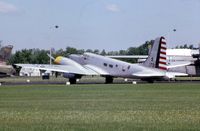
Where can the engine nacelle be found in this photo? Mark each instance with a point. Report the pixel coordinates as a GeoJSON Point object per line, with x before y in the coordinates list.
{"type": "Point", "coordinates": [69, 75]}
{"type": "Point", "coordinates": [72, 76]}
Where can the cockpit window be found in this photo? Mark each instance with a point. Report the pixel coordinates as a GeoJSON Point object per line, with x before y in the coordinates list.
{"type": "Point", "coordinates": [105, 64]}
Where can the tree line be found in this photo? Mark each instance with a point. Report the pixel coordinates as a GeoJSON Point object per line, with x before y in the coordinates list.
{"type": "Point", "coordinates": [39, 56]}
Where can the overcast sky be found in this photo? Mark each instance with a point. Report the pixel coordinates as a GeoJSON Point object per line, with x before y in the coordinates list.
{"type": "Point", "coordinates": [98, 24]}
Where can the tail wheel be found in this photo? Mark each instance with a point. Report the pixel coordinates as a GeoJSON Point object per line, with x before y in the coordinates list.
{"type": "Point", "coordinates": [109, 80]}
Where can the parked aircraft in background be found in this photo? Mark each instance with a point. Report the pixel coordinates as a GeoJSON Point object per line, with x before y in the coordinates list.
{"type": "Point", "coordinates": [76, 66]}
{"type": "Point", "coordinates": [5, 53]}
{"type": "Point", "coordinates": [194, 68]}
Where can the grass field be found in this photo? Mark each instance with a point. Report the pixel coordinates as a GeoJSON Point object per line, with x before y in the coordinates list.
{"type": "Point", "coordinates": [100, 107]}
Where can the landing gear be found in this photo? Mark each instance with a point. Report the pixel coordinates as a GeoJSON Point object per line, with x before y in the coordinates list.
{"type": "Point", "coordinates": [109, 80]}
{"type": "Point", "coordinates": [72, 77]}
{"type": "Point", "coordinates": [148, 80]}
{"type": "Point", "coordinates": [72, 80]}
{"type": "Point", "coordinates": [56, 74]}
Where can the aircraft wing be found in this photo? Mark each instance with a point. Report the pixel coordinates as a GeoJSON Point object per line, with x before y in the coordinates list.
{"type": "Point", "coordinates": [60, 68]}
{"type": "Point", "coordinates": [96, 69]}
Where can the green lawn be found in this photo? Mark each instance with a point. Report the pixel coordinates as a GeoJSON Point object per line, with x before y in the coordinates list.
{"type": "Point", "coordinates": [100, 107]}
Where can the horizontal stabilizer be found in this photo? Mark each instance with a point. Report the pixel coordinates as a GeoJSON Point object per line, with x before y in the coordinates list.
{"type": "Point", "coordinates": [178, 64]}
{"type": "Point", "coordinates": [149, 74]}
{"type": "Point", "coordinates": [174, 74]}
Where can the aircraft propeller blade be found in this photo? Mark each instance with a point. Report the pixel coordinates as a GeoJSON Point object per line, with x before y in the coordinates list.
{"type": "Point", "coordinates": [50, 56]}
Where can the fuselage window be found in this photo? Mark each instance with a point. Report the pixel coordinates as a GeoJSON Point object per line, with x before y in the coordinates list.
{"type": "Point", "coordinates": [123, 70]}
{"type": "Point", "coordinates": [111, 66]}
{"type": "Point", "coordinates": [116, 65]}
{"type": "Point", "coordinates": [105, 64]}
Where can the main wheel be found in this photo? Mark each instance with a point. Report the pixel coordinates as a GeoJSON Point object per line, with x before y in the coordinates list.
{"type": "Point", "coordinates": [72, 80]}
{"type": "Point", "coordinates": [148, 80]}
{"type": "Point", "coordinates": [109, 80]}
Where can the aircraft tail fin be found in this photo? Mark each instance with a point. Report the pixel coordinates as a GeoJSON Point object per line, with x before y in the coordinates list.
{"type": "Point", "coordinates": [5, 53]}
{"type": "Point", "coordinates": [157, 57]}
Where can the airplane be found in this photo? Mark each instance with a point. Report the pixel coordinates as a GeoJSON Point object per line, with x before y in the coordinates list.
{"type": "Point", "coordinates": [5, 53]}
{"type": "Point", "coordinates": [76, 66]}
{"type": "Point", "coordinates": [192, 69]}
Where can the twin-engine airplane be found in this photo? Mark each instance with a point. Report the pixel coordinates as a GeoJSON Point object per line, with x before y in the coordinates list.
{"type": "Point", "coordinates": [76, 66]}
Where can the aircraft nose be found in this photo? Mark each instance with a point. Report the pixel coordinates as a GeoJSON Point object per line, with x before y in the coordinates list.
{"type": "Point", "coordinates": [58, 60]}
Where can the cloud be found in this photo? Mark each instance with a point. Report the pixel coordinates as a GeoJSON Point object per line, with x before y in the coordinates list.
{"type": "Point", "coordinates": [7, 7]}
{"type": "Point", "coordinates": [113, 8]}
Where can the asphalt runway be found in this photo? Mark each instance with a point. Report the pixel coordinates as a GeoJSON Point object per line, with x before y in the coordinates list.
{"type": "Point", "coordinates": [61, 81]}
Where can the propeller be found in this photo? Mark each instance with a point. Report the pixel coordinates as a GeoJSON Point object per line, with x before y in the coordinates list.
{"type": "Point", "coordinates": [199, 49]}
{"type": "Point", "coordinates": [197, 56]}
{"type": "Point", "coordinates": [51, 57]}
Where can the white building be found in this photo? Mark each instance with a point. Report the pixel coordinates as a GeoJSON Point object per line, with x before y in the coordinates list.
{"type": "Point", "coordinates": [181, 54]}
{"type": "Point", "coordinates": [29, 72]}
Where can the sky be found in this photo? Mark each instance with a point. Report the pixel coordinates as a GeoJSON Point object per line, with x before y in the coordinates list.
{"type": "Point", "coordinates": [98, 24]}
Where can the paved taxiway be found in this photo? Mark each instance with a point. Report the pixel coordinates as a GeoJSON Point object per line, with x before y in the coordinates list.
{"type": "Point", "coordinates": [118, 81]}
